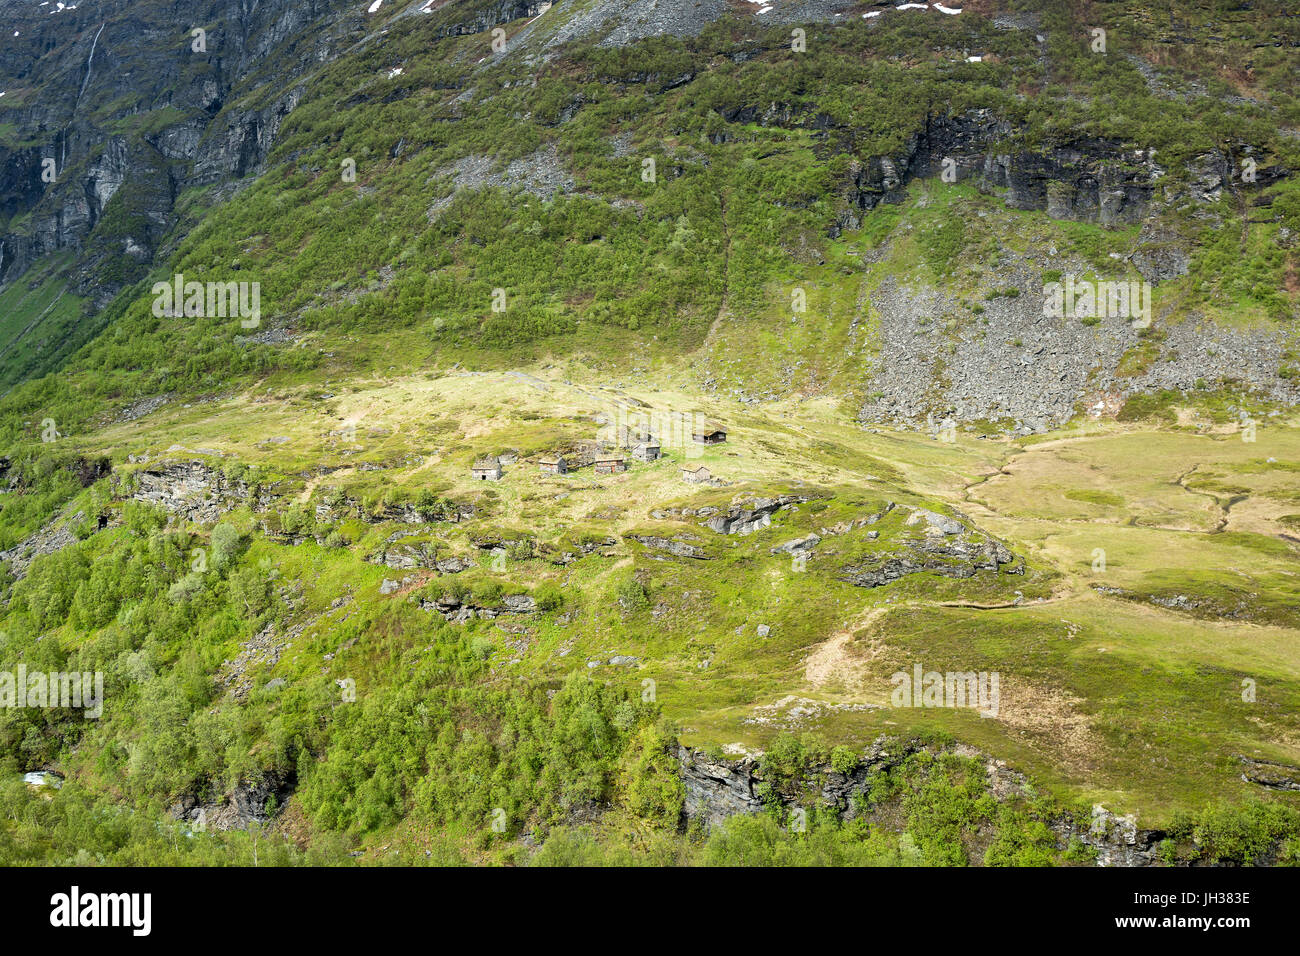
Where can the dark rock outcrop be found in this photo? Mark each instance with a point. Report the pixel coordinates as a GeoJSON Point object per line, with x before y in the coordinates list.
{"type": "Point", "coordinates": [195, 490]}
{"type": "Point", "coordinates": [1116, 840]}
{"type": "Point", "coordinates": [1088, 179]}
{"type": "Point", "coordinates": [717, 788]}
{"type": "Point", "coordinates": [1270, 774]}
{"type": "Point", "coordinates": [753, 515]}
{"type": "Point", "coordinates": [947, 547]}
{"type": "Point", "coordinates": [462, 610]}
{"type": "Point", "coordinates": [248, 803]}
{"type": "Point", "coordinates": [673, 546]}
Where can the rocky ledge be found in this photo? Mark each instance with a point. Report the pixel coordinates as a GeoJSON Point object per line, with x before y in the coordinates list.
{"type": "Point", "coordinates": [674, 546]}
{"type": "Point", "coordinates": [751, 515]}
{"type": "Point", "coordinates": [460, 611]}
{"type": "Point", "coordinates": [194, 490]}
{"type": "Point", "coordinates": [248, 803]}
{"type": "Point", "coordinates": [718, 788]}
{"type": "Point", "coordinates": [947, 547]}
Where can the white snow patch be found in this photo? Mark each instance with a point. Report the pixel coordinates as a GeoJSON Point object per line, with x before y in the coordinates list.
{"type": "Point", "coordinates": [395, 71]}
{"type": "Point", "coordinates": [912, 6]}
{"type": "Point", "coordinates": [870, 14]}
{"type": "Point", "coordinates": [974, 59]}
{"type": "Point", "coordinates": [951, 11]}
{"type": "Point", "coordinates": [375, 6]}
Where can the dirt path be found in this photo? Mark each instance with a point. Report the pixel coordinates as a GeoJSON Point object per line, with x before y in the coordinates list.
{"type": "Point", "coordinates": [726, 268]}
{"type": "Point", "coordinates": [312, 483]}
{"type": "Point", "coordinates": [832, 661]}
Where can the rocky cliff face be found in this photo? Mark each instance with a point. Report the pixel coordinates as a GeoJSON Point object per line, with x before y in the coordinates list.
{"type": "Point", "coordinates": [113, 109]}
{"type": "Point", "coordinates": [719, 788]}
{"type": "Point", "coordinates": [193, 490]}
{"type": "Point", "coordinates": [1088, 179]}
{"type": "Point", "coordinates": [249, 802]}
{"type": "Point", "coordinates": [1091, 180]}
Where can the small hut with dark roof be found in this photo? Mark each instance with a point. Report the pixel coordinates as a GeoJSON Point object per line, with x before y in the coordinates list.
{"type": "Point", "coordinates": [709, 432]}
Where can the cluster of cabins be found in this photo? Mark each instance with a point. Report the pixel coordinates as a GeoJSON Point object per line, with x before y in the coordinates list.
{"type": "Point", "coordinates": [604, 461]}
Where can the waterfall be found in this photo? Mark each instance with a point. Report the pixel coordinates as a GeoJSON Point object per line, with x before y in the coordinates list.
{"type": "Point", "coordinates": [90, 59]}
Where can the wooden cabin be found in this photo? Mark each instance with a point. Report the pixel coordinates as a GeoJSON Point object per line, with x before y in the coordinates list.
{"type": "Point", "coordinates": [709, 433]}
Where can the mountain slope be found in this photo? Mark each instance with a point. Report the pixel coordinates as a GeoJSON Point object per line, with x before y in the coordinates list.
{"type": "Point", "coordinates": [836, 229]}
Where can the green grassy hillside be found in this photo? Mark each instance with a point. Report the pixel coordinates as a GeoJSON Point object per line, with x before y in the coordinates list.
{"type": "Point", "coordinates": [301, 599]}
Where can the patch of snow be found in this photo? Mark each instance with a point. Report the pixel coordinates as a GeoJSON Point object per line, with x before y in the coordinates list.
{"type": "Point", "coordinates": [395, 71]}
{"type": "Point", "coordinates": [912, 6]}
{"type": "Point", "coordinates": [974, 59]}
{"type": "Point", "coordinates": [375, 6]}
{"type": "Point", "coordinates": [951, 11]}
{"type": "Point", "coordinates": [872, 13]}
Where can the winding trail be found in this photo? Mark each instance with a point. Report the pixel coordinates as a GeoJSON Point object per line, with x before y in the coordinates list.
{"type": "Point", "coordinates": [1015, 455]}
{"type": "Point", "coordinates": [1225, 509]}
{"type": "Point", "coordinates": [726, 266]}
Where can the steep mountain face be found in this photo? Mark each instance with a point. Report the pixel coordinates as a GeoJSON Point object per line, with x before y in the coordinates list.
{"type": "Point", "coordinates": [387, 553]}
{"type": "Point", "coordinates": [123, 99]}
{"type": "Point", "coordinates": [149, 129]}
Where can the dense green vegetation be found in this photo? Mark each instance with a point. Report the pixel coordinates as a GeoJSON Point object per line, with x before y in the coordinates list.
{"type": "Point", "coordinates": [276, 647]}
{"type": "Point", "coordinates": [41, 324]}
{"type": "Point", "coordinates": [734, 205]}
